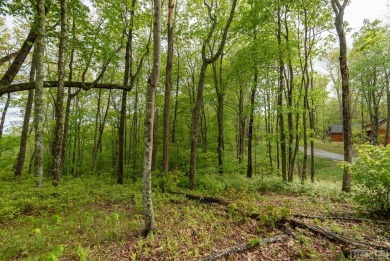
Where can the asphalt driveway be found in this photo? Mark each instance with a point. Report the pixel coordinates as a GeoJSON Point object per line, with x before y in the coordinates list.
{"type": "Point", "coordinates": [326, 154]}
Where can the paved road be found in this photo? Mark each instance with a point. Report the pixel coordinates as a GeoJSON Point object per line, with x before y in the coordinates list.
{"type": "Point", "coordinates": [326, 154]}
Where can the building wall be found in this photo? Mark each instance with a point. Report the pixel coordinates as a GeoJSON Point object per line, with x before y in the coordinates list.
{"type": "Point", "coordinates": [337, 137]}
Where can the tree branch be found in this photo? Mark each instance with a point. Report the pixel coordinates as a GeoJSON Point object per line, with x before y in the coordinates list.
{"type": "Point", "coordinates": [52, 84]}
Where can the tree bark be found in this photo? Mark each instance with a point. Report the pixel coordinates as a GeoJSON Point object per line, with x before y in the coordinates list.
{"type": "Point", "coordinates": [168, 86]}
{"type": "Point", "coordinates": [155, 131]}
{"type": "Point", "coordinates": [38, 115]}
{"type": "Point", "coordinates": [26, 121]}
{"type": "Point", "coordinates": [388, 107]}
{"type": "Point", "coordinates": [245, 246]}
{"type": "Point", "coordinates": [338, 9]}
{"type": "Point", "coordinates": [219, 90]}
{"type": "Point", "coordinates": [282, 138]}
{"type": "Point", "coordinates": [249, 170]}
{"type": "Point", "coordinates": [20, 57]}
{"type": "Point", "coordinates": [59, 105]}
{"type": "Point", "coordinates": [8, 57]}
{"type": "Point", "coordinates": [241, 126]}
{"type": "Point", "coordinates": [174, 123]}
{"type": "Point", "coordinates": [4, 114]}
{"type": "Point", "coordinates": [86, 86]}
{"type": "Point", "coordinates": [69, 97]}
{"type": "Point", "coordinates": [148, 126]}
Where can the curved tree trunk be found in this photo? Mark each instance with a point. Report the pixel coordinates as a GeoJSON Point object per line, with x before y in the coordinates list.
{"type": "Point", "coordinates": [338, 9]}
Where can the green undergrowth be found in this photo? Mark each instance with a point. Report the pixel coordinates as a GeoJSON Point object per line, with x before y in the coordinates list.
{"type": "Point", "coordinates": [91, 217]}
{"type": "Point", "coordinates": [44, 223]}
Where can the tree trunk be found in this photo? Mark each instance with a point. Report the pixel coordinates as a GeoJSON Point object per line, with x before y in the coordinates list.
{"type": "Point", "coordinates": [149, 118]}
{"type": "Point", "coordinates": [219, 90]}
{"type": "Point", "coordinates": [3, 115]}
{"type": "Point", "coordinates": [26, 122]}
{"type": "Point", "coordinates": [282, 138]}
{"type": "Point", "coordinates": [168, 86]}
{"type": "Point", "coordinates": [68, 98]}
{"type": "Point", "coordinates": [312, 122]}
{"type": "Point", "coordinates": [249, 170]}
{"type": "Point", "coordinates": [174, 123]}
{"type": "Point", "coordinates": [24, 50]}
{"type": "Point", "coordinates": [121, 133]}
{"type": "Point", "coordinates": [388, 107]}
{"type": "Point", "coordinates": [38, 115]}
{"type": "Point", "coordinates": [338, 9]}
{"type": "Point", "coordinates": [95, 135]}
{"type": "Point", "coordinates": [241, 125]}
{"type": "Point", "coordinates": [59, 105]}
{"type": "Point", "coordinates": [305, 80]}
{"type": "Point", "coordinates": [155, 131]}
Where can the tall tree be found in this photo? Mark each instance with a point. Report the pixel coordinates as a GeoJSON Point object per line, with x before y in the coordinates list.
{"type": "Point", "coordinates": [149, 119]}
{"type": "Point", "coordinates": [38, 106]}
{"type": "Point", "coordinates": [199, 98]}
{"type": "Point", "coordinates": [59, 104]}
{"type": "Point", "coordinates": [168, 86]}
{"type": "Point", "coordinates": [339, 8]}
{"type": "Point", "coordinates": [26, 121]}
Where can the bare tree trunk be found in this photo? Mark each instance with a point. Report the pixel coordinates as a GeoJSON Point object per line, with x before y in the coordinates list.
{"type": "Point", "coordinates": [241, 125]}
{"type": "Point", "coordinates": [121, 134]}
{"type": "Point", "coordinates": [95, 135]}
{"type": "Point", "coordinates": [168, 86]}
{"type": "Point", "coordinates": [3, 115]}
{"type": "Point", "coordinates": [149, 118]}
{"type": "Point", "coordinates": [24, 50]}
{"type": "Point", "coordinates": [290, 90]}
{"type": "Point", "coordinates": [135, 130]}
{"type": "Point", "coordinates": [38, 115]}
{"type": "Point", "coordinates": [174, 123]}
{"type": "Point", "coordinates": [282, 138]}
{"type": "Point", "coordinates": [155, 131]}
{"type": "Point", "coordinates": [219, 90]}
{"type": "Point", "coordinates": [69, 97]}
{"type": "Point", "coordinates": [305, 79]}
{"type": "Point", "coordinates": [59, 106]}
{"type": "Point", "coordinates": [338, 9]}
{"type": "Point", "coordinates": [388, 107]}
{"type": "Point", "coordinates": [312, 122]}
{"type": "Point", "coordinates": [26, 122]}
{"type": "Point", "coordinates": [249, 170]}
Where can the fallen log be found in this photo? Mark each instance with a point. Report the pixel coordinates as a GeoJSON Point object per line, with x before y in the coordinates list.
{"type": "Point", "coordinates": [204, 199]}
{"type": "Point", "coordinates": [245, 246]}
{"type": "Point", "coordinates": [335, 237]}
{"type": "Point", "coordinates": [354, 219]}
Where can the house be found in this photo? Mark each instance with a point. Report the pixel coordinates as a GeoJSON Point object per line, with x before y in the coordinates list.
{"type": "Point", "coordinates": [336, 131]}
{"type": "Point", "coordinates": [381, 130]}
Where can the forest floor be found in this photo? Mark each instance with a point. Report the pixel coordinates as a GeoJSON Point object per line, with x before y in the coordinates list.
{"type": "Point", "coordinates": [91, 218]}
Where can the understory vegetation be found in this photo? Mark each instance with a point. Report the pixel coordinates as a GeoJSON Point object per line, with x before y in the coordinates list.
{"type": "Point", "coordinates": [93, 218]}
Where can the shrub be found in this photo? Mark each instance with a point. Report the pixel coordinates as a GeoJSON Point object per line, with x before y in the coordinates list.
{"type": "Point", "coordinates": [371, 173]}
